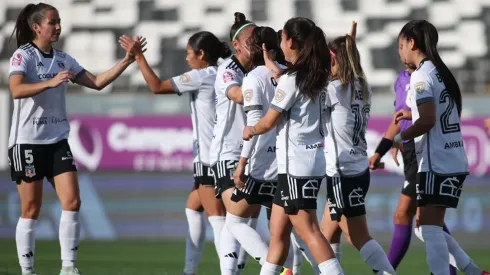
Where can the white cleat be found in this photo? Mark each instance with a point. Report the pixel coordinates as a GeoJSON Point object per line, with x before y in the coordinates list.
{"type": "Point", "coordinates": [70, 271]}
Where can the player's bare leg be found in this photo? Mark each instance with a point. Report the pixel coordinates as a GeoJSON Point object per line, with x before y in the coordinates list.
{"type": "Point", "coordinates": [66, 186]}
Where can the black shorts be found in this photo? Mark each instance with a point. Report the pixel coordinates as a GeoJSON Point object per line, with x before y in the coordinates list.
{"type": "Point", "coordinates": [223, 176]}
{"type": "Point", "coordinates": [439, 190]}
{"type": "Point", "coordinates": [295, 194]}
{"type": "Point", "coordinates": [410, 169]}
{"type": "Point", "coordinates": [255, 192]}
{"type": "Point", "coordinates": [346, 195]}
{"type": "Point", "coordinates": [33, 162]}
{"type": "Point", "coordinates": [203, 175]}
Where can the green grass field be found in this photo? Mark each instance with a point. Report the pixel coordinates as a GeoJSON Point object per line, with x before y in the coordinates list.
{"type": "Point", "coordinates": [166, 258]}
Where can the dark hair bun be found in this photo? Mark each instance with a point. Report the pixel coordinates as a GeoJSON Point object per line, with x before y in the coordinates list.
{"type": "Point", "coordinates": [225, 50]}
{"type": "Point", "coordinates": [239, 17]}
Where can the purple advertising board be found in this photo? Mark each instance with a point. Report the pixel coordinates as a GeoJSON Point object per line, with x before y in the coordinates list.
{"type": "Point", "coordinates": [150, 143]}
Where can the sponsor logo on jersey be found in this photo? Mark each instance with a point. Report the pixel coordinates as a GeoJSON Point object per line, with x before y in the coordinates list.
{"type": "Point", "coordinates": [47, 76]}
{"type": "Point", "coordinates": [227, 77]}
{"type": "Point", "coordinates": [40, 64]}
{"type": "Point", "coordinates": [453, 144]}
{"type": "Point", "coordinates": [314, 146]}
{"type": "Point", "coordinates": [247, 95]}
{"type": "Point", "coordinates": [185, 78]}
{"type": "Point", "coordinates": [17, 60]}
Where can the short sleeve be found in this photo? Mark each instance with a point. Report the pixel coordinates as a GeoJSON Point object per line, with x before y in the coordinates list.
{"type": "Point", "coordinates": [73, 66]}
{"type": "Point", "coordinates": [186, 82]}
{"type": "Point", "coordinates": [286, 94]}
{"type": "Point", "coordinates": [19, 63]}
{"type": "Point", "coordinates": [229, 79]}
{"type": "Point", "coordinates": [423, 90]}
{"type": "Point", "coordinates": [251, 89]}
{"type": "Point", "coordinates": [331, 98]}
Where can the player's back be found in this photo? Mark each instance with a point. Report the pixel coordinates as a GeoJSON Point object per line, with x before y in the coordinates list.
{"type": "Point", "coordinates": [444, 141]}
{"type": "Point", "coordinates": [348, 112]}
{"type": "Point", "coordinates": [230, 117]}
{"type": "Point", "coordinates": [259, 88]}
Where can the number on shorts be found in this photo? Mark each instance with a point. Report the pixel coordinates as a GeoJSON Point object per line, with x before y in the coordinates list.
{"type": "Point", "coordinates": [360, 124]}
{"type": "Point", "coordinates": [446, 126]}
{"type": "Point", "coordinates": [29, 158]}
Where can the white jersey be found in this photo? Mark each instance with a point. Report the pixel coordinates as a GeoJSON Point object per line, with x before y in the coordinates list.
{"type": "Point", "coordinates": [444, 141]}
{"type": "Point", "coordinates": [258, 91]}
{"type": "Point", "coordinates": [200, 86]}
{"type": "Point", "coordinates": [40, 119]}
{"type": "Point", "coordinates": [230, 118]}
{"type": "Point", "coordinates": [346, 122]}
{"type": "Point", "coordinates": [299, 145]}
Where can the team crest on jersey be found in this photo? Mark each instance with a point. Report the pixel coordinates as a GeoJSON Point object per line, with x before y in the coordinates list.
{"type": "Point", "coordinates": [419, 86]}
{"type": "Point", "coordinates": [247, 95]}
{"type": "Point", "coordinates": [185, 78]}
{"type": "Point", "coordinates": [30, 171]}
{"type": "Point", "coordinates": [280, 95]}
{"type": "Point", "coordinates": [17, 60]}
{"type": "Point", "coordinates": [227, 77]}
{"type": "Point", "coordinates": [61, 64]}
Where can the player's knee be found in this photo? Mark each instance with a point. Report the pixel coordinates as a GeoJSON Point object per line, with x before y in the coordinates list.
{"type": "Point", "coordinates": [402, 217]}
{"type": "Point", "coordinates": [31, 209]}
{"type": "Point", "coordinates": [72, 204]}
{"type": "Point", "coordinates": [358, 240]}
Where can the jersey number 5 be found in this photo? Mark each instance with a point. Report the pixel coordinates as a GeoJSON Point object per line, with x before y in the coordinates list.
{"type": "Point", "coordinates": [446, 126]}
{"type": "Point", "coordinates": [360, 124]}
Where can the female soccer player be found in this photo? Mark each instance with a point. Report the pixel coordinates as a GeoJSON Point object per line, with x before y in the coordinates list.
{"type": "Point", "coordinates": [297, 109]}
{"type": "Point", "coordinates": [406, 208]}
{"type": "Point", "coordinates": [435, 102]}
{"type": "Point", "coordinates": [230, 119]}
{"type": "Point", "coordinates": [38, 146]}
{"type": "Point", "coordinates": [348, 104]}
{"type": "Point", "coordinates": [203, 51]}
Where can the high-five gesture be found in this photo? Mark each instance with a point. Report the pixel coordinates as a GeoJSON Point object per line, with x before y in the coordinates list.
{"type": "Point", "coordinates": [133, 48]}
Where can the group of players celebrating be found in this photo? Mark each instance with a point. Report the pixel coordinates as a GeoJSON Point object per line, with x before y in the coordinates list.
{"type": "Point", "coordinates": [269, 123]}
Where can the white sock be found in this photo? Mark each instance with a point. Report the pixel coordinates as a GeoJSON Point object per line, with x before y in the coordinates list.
{"type": "Point", "coordinates": [337, 250]}
{"type": "Point", "coordinates": [217, 223]}
{"type": "Point", "coordinates": [298, 257]}
{"type": "Point", "coordinates": [69, 235]}
{"type": "Point", "coordinates": [306, 252]}
{"type": "Point", "coordinates": [331, 267]}
{"type": "Point", "coordinates": [270, 269]}
{"type": "Point", "coordinates": [247, 236]}
{"type": "Point", "coordinates": [25, 237]}
{"type": "Point", "coordinates": [195, 240]}
{"type": "Point", "coordinates": [243, 255]}
{"type": "Point", "coordinates": [373, 254]}
{"type": "Point", "coordinates": [229, 249]}
{"type": "Point", "coordinates": [461, 260]}
{"type": "Point", "coordinates": [436, 248]}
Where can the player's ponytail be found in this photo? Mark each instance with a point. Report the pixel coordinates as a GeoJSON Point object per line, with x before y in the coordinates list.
{"type": "Point", "coordinates": [29, 15]}
{"type": "Point", "coordinates": [425, 37]}
{"type": "Point", "coordinates": [210, 45]}
{"type": "Point", "coordinates": [312, 66]}
{"type": "Point", "coordinates": [240, 23]}
{"type": "Point", "coordinates": [347, 55]}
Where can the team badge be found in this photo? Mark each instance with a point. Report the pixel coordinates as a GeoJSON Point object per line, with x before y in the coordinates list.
{"type": "Point", "coordinates": [227, 77]}
{"type": "Point", "coordinates": [17, 60]}
{"type": "Point", "coordinates": [247, 95]}
{"type": "Point", "coordinates": [185, 78]}
{"type": "Point", "coordinates": [419, 86]}
{"type": "Point", "coordinates": [30, 171]}
{"type": "Point", "coordinates": [280, 94]}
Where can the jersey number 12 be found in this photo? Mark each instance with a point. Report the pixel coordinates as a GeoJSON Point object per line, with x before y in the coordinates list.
{"type": "Point", "coordinates": [361, 118]}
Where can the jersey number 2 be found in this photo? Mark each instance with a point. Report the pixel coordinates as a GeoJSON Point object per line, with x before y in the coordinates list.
{"type": "Point", "coordinates": [446, 126]}
{"type": "Point", "coordinates": [360, 124]}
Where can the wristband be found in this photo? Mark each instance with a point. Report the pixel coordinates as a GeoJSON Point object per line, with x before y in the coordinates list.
{"type": "Point", "coordinates": [384, 146]}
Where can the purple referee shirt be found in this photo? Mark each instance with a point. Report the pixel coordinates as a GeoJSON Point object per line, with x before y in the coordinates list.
{"type": "Point", "coordinates": [402, 85]}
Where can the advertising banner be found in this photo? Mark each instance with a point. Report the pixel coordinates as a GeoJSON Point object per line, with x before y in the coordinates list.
{"type": "Point", "coordinates": [166, 144]}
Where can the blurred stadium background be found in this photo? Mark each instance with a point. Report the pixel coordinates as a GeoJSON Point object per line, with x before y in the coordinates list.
{"type": "Point", "coordinates": [134, 150]}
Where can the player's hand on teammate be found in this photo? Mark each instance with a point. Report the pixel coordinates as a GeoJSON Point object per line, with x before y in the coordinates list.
{"type": "Point", "coordinates": [239, 176]}
{"type": "Point", "coordinates": [134, 48]}
{"type": "Point", "coordinates": [374, 161]}
{"type": "Point", "coordinates": [61, 77]}
{"type": "Point", "coordinates": [248, 132]}
{"type": "Point", "coordinates": [269, 57]}
{"type": "Point", "coordinates": [487, 125]}
{"type": "Point", "coordinates": [402, 115]}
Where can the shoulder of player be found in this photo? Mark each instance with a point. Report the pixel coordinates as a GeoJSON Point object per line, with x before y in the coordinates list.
{"type": "Point", "coordinates": [334, 86]}
{"type": "Point", "coordinates": [62, 54]}
{"type": "Point", "coordinates": [26, 50]}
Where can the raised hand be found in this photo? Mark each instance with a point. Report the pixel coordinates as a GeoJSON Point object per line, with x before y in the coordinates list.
{"type": "Point", "coordinates": [402, 115]}
{"type": "Point", "coordinates": [353, 30]}
{"type": "Point", "coordinates": [61, 77]}
{"type": "Point", "coordinates": [133, 48]}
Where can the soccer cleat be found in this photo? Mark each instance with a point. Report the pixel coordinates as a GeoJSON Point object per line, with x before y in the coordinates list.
{"type": "Point", "coordinates": [70, 271]}
{"type": "Point", "coordinates": [286, 271]}
{"type": "Point", "coordinates": [485, 272]}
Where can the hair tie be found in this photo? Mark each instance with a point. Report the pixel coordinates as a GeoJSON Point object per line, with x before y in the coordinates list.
{"type": "Point", "coordinates": [332, 53]}
{"type": "Point", "coordinates": [240, 29]}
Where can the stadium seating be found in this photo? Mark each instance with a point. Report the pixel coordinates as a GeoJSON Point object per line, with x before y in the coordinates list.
{"type": "Point", "coordinates": [91, 29]}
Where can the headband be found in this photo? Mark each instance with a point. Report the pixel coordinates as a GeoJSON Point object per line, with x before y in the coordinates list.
{"type": "Point", "coordinates": [240, 29]}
